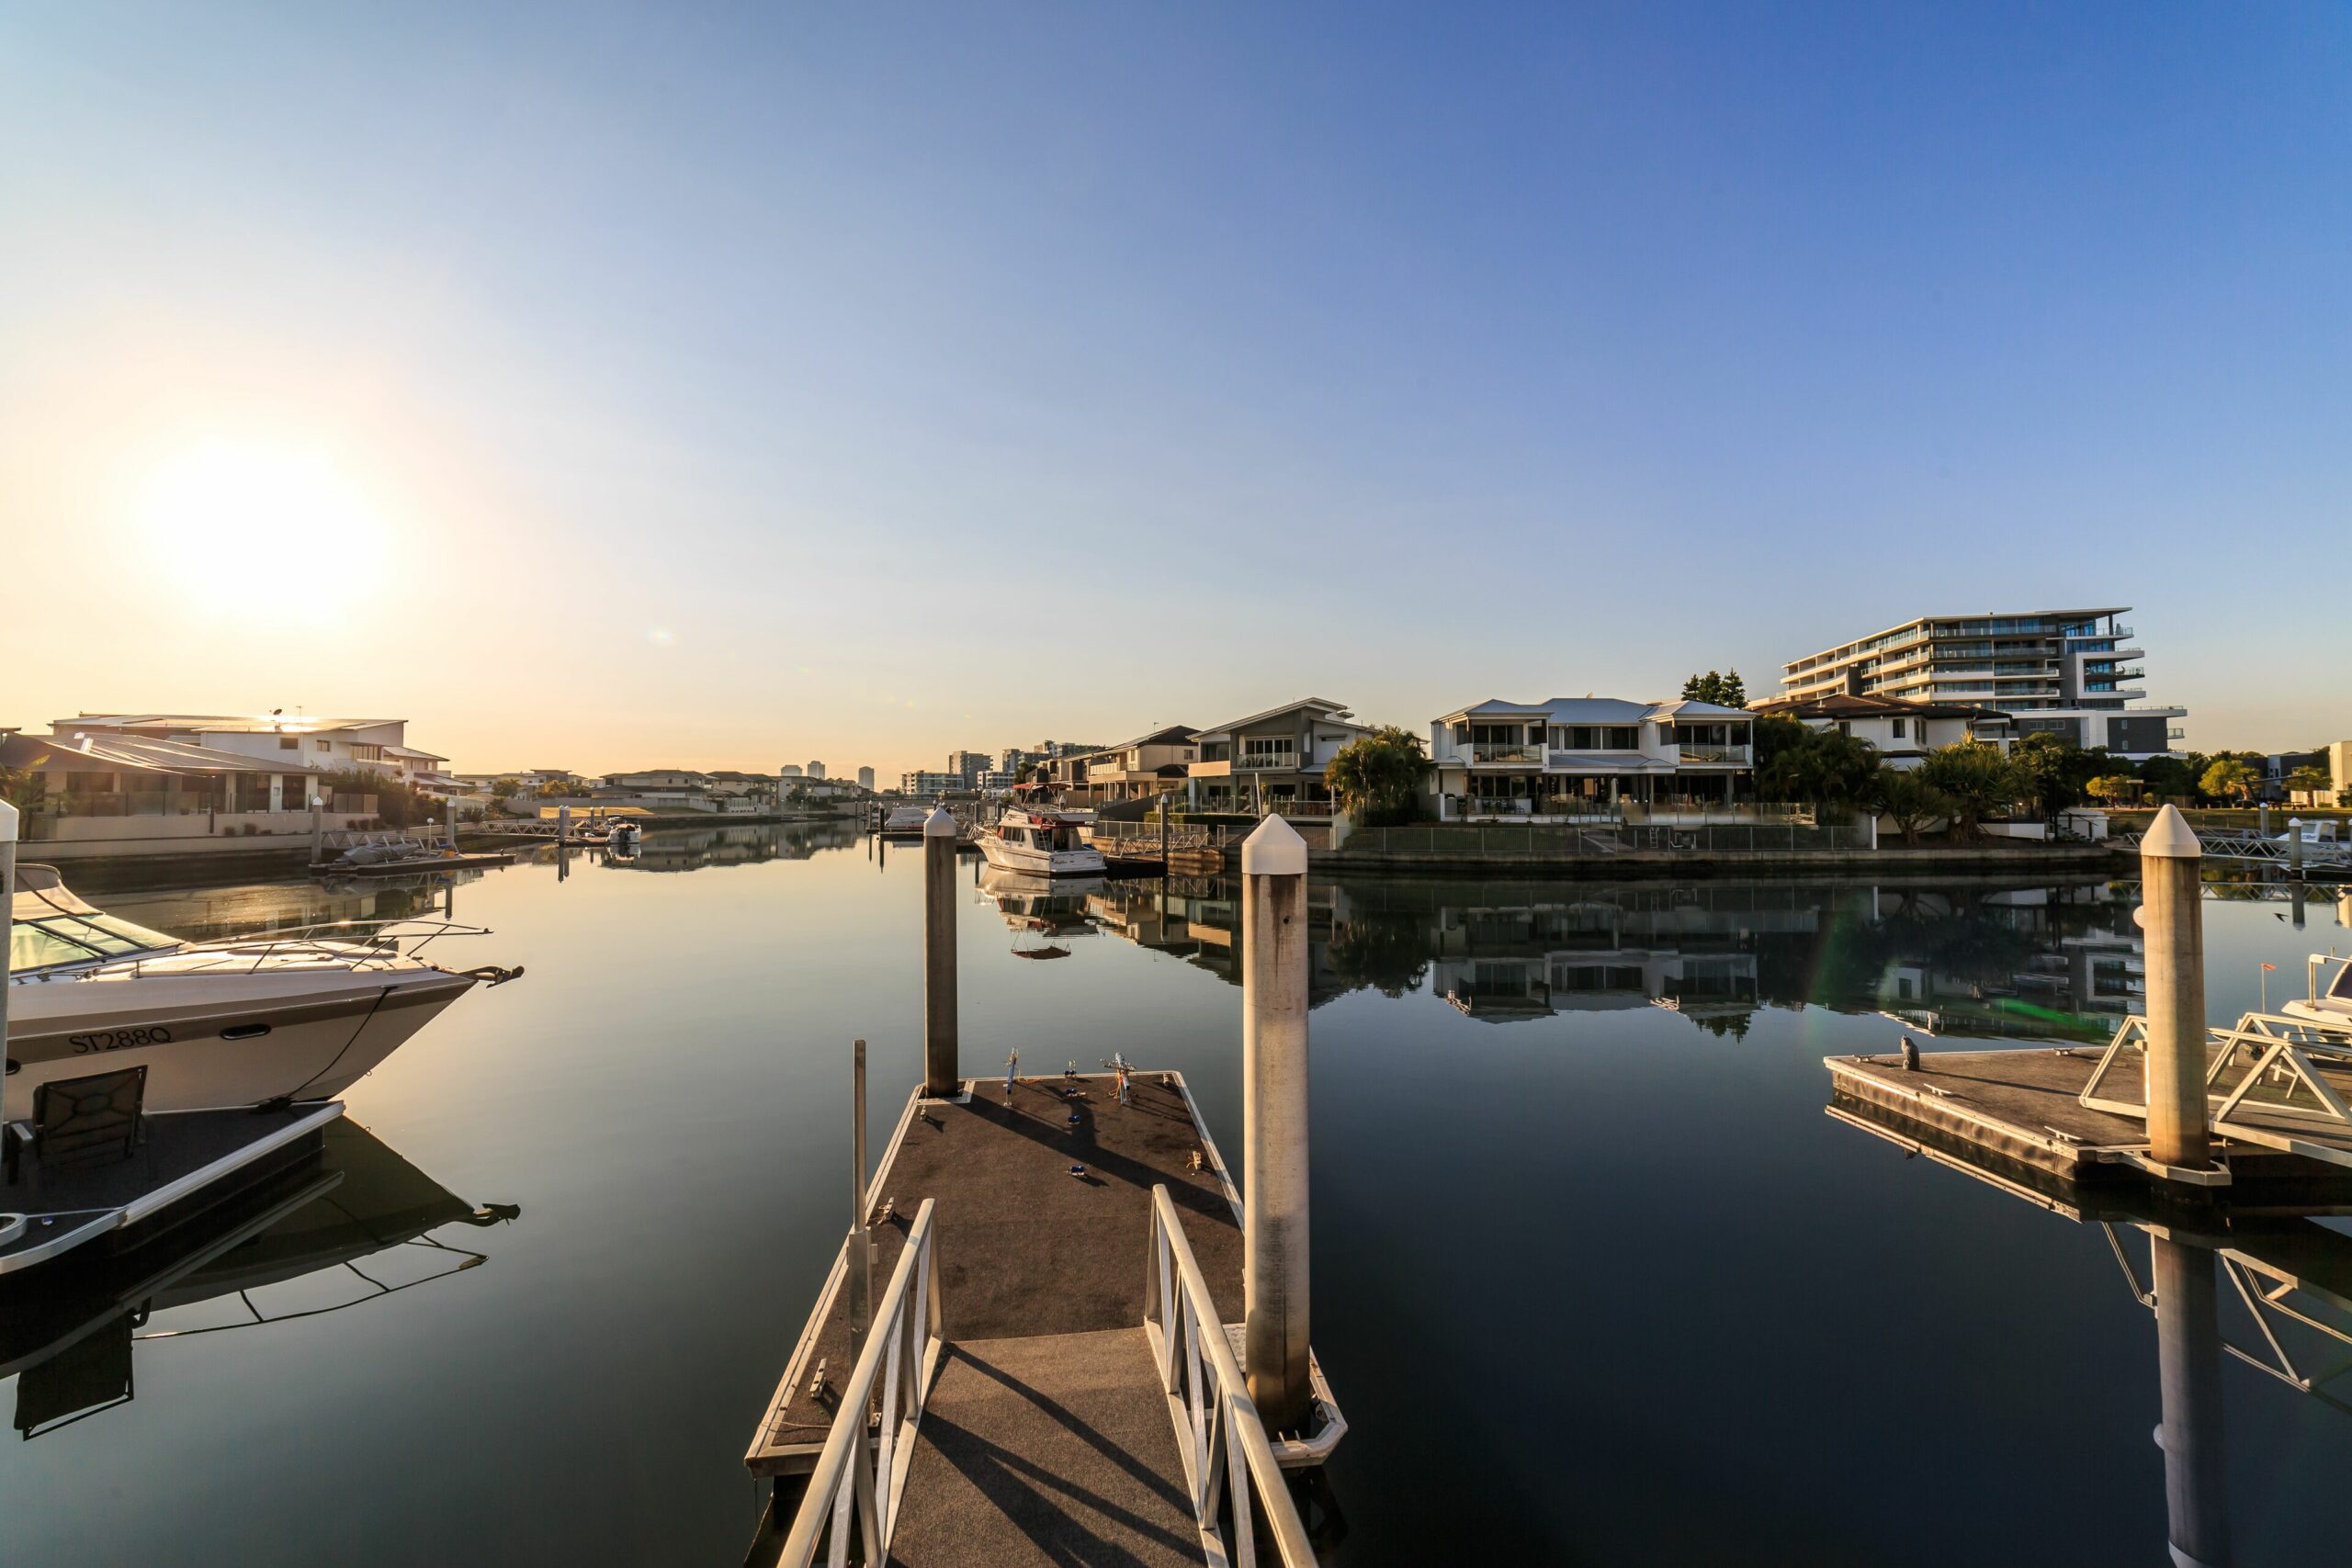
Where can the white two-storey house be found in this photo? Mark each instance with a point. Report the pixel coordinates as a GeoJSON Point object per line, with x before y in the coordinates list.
{"type": "Point", "coordinates": [1582, 756]}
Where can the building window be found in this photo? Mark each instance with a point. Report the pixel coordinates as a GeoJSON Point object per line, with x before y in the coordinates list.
{"type": "Point", "coordinates": [289, 743]}
{"type": "Point", "coordinates": [324, 745]}
{"type": "Point", "coordinates": [1898, 728]}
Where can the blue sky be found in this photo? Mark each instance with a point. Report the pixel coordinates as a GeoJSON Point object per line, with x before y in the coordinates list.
{"type": "Point", "coordinates": [858, 382]}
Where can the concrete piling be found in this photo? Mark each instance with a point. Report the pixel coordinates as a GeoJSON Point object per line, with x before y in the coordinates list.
{"type": "Point", "coordinates": [318, 830]}
{"type": "Point", "coordinates": [2172, 917]}
{"type": "Point", "coordinates": [939, 1029]}
{"type": "Point", "coordinates": [1274, 1123]}
{"type": "Point", "coordinates": [2295, 846]}
{"type": "Point", "coordinates": [7, 901]}
{"type": "Point", "coordinates": [563, 824]}
{"type": "Point", "coordinates": [453, 824]}
{"type": "Point", "coordinates": [2188, 1374]}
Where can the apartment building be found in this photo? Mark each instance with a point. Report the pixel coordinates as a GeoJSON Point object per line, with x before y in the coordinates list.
{"type": "Point", "coordinates": [2074, 674]}
{"type": "Point", "coordinates": [1571, 756]}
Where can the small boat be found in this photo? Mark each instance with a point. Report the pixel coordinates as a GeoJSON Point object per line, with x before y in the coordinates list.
{"type": "Point", "coordinates": [627, 836]}
{"type": "Point", "coordinates": [905, 822]}
{"type": "Point", "coordinates": [298, 1014]}
{"type": "Point", "coordinates": [1046, 843]}
{"type": "Point", "coordinates": [2332, 1006]}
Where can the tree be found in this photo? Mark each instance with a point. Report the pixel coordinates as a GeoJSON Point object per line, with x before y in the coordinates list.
{"type": "Point", "coordinates": [2168, 778]}
{"type": "Point", "coordinates": [2229, 777]}
{"type": "Point", "coordinates": [555, 786]}
{"type": "Point", "coordinates": [24, 788]}
{"type": "Point", "coordinates": [2108, 789]}
{"type": "Point", "coordinates": [1977, 780]}
{"type": "Point", "coordinates": [2308, 780]}
{"type": "Point", "coordinates": [505, 789]}
{"type": "Point", "coordinates": [1378, 777]}
{"type": "Point", "coordinates": [1725, 691]}
{"type": "Point", "coordinates": [1823, 767]}
{"type": "Point", "coordinates": [1911, 800]}
{"type": "Point", "coordinates": [2055, 771]}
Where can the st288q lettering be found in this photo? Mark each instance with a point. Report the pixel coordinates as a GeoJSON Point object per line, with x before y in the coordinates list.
{"type": "Point", "coordinates": [118, 1040]}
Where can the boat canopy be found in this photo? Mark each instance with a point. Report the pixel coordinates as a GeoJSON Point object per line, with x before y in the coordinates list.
{"type": "Point", "coordinates": [48, 928]}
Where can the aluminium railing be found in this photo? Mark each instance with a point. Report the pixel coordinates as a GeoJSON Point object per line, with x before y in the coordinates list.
{"type": "Point", "coordinates": [855, 1479]}
{"type": "Point", "coordinates": [1229, 1465]}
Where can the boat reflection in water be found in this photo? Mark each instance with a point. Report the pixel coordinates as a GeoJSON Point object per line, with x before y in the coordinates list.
{"type": "Point", "coordinates": [69, 1337]}
{"type": "Point", "coordinates": [695, 849]}
{"type": "Point", "coordinates": [1041, 910]}
{"type": "Point", "coordinates": [2054, 961]}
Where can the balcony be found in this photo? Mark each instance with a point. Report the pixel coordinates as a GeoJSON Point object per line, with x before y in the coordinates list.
{"type": "Point", "coordinates": [1524, 756]}
{"type": "Point", "coordinates": [1715, 756]}
{"type": "Point", "coordinates": [1268, 761]}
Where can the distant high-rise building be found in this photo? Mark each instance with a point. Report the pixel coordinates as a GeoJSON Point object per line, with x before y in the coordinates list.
{"type": "Point", "coordinates": [968, 766]}
{"type": "Point", "coordinates": [866, 778]}
{"type": "Point", "coordinates": [2074, 674]}
{"type": "Point", "coordinates": [815, 770]}
{"type": "Point", "coordinates": [789, 771]}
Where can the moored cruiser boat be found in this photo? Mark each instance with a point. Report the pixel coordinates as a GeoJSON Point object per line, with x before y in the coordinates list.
{"type": "Point", "coordinates": [2332, 1006]}
{"type": "Point", "coordinates": [904, 822]}
{"type": "Point", "coordinates": [1025, 839]}
{"type": "Point", "coordinates": [219, 1025]}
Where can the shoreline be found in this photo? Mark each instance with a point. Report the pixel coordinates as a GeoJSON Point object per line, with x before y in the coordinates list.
{"type": "Point", "coordinates": [1668, 863]}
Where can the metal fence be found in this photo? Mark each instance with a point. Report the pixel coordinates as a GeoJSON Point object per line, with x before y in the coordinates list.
{"type": "Point", "coordinates": [1574, 842]}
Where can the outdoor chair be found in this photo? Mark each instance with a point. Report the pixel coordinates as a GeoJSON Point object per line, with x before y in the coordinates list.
{"type": "Point", "coordinates": [87, 1121]}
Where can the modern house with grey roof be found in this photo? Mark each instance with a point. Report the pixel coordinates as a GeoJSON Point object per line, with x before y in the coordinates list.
{"type": "Point", "coordinates": [1574, 756]}
{"type": "Point", "coordinates": [1272, 761]}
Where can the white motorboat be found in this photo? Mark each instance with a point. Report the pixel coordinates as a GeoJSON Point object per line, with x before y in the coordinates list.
{"type": "Point", "coordinates": [1046, 843]}
{"type": "Point", "coordinates": [627, 836]}
{"type": "Point", "coordinates": [293, 1015]}
{"type": "Point", "coordinates": [905, 822]}
{"type": "Point", "coordinates": [2332, 1006]}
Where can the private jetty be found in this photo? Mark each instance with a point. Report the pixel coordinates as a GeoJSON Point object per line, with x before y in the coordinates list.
{"type": "Point", "coordinates": [1090, 1343]}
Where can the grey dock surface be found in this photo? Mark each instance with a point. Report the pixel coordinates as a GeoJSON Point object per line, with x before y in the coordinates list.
{"type": "Point", "coordinates": [2023, 1105]}
{"type": "Point", "coordinates": [1028, 1252]}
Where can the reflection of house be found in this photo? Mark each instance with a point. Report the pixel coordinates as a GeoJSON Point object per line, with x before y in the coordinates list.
{"type": "Point", "coordinates": [1574, 755]}
{"type": "Point", "coordinates": [1902, 732]}
{"type": "Point", "coordinates": [1270, 761]}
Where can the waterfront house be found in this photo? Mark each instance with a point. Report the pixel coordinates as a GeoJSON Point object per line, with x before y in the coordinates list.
{"type": "Point", "coordinates": [300, 744]}
{"type": "Point", "coordinates": [1575, 756]}
{"type": "Point", "coordinates": [1901, 731]}
{"type": "Point", "coordinates": [1134, 770]}
{"type": "Point", "coordinates": [1270, 761]}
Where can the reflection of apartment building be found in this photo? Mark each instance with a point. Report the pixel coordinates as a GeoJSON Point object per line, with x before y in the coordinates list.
{"type": "Point", "coordinates": [1576, 755]}
{"type": "Point", "coordinates": [2074, 674]}
{"type": "Point", "coordinates": [1270, 761]}
{"type": "Point", "coordinates": [1900, 730]}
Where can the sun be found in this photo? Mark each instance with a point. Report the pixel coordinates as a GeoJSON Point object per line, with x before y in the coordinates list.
{"type": "Point", "coordinates": [252, 529]}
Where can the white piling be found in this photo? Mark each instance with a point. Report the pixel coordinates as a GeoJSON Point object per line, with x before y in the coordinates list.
{"type": "Point", "coordinates": [2189, 1378]}
{"type": "Point", "coordinates": [563, 824]}
{"type": "Point", "coordinates": [2294, 846]}
{"type": "Point", "coordinates": [939, 1033]}
{"type": "Point", "coordinates": [2172, 917]}
{"type": "Point", "coordinates": [861, 1243]}
{"type": "Point", "coordinates": [318, 830]}
{"type": "Point", "coordinates": [1274, 1123]}
{"type": "Point", "coordinates": [453, 822]}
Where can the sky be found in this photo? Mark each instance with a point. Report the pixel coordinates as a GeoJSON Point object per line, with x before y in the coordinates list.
{"type": "Point", "coordinates": [609, 387]}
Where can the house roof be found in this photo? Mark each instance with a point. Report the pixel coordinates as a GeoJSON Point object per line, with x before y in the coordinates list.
{"type": "Point", "coordinates": [1594, 710]}
{"type": "Point", "coordinates": [1842, 707]}
{"type": "Point", "coordinates": [217, 724]}
{"type": "Point", "coordinates": [1324, 708]}
{"type": "Point", "coordinates": [116, 753]}
{"type": "Point", "coordinates": [1170, 735]}
{"type": "Point", "coordinates": [413, 752]}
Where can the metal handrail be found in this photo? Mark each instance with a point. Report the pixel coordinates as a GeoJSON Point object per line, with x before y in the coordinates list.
{"type": "Point", "coordinates": [1219, 1435]}
{"type": "Point", "coordinates": [850, 1473]}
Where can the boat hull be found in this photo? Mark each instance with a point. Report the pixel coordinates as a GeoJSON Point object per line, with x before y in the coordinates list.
{"type": "Point", "coordinates": [1084, 862]}
{"type": "Point", "coordinates": [212, 1042]}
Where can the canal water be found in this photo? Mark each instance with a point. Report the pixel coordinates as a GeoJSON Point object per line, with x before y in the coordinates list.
{"type": "Point", "coordinates": [1596, 1279]}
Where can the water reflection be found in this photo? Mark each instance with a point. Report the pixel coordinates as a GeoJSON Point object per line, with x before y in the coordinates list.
{"type": "Point", "coordinates": [292, 1247]}
{"type": "Point", "coordinates": [2060, 962]}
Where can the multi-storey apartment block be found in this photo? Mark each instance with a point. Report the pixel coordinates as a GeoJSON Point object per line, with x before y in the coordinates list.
{"type": "Point", "coordinates": [2075, 673]}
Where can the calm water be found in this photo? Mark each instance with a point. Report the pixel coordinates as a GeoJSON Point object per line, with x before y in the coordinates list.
{"type": "Point", "coordinates": [1596, 1279]}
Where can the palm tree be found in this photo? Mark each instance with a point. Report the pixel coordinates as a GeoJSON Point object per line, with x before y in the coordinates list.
{"type": "Point", "coordinates": [1379, 775]}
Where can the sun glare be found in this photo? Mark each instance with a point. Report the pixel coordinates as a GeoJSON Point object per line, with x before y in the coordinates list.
{"type": "Point", "coordinates": [257, 530]}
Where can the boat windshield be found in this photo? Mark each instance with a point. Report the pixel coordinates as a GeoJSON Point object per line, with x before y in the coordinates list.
{"type": "Point", "coordinates": [52, 940]}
